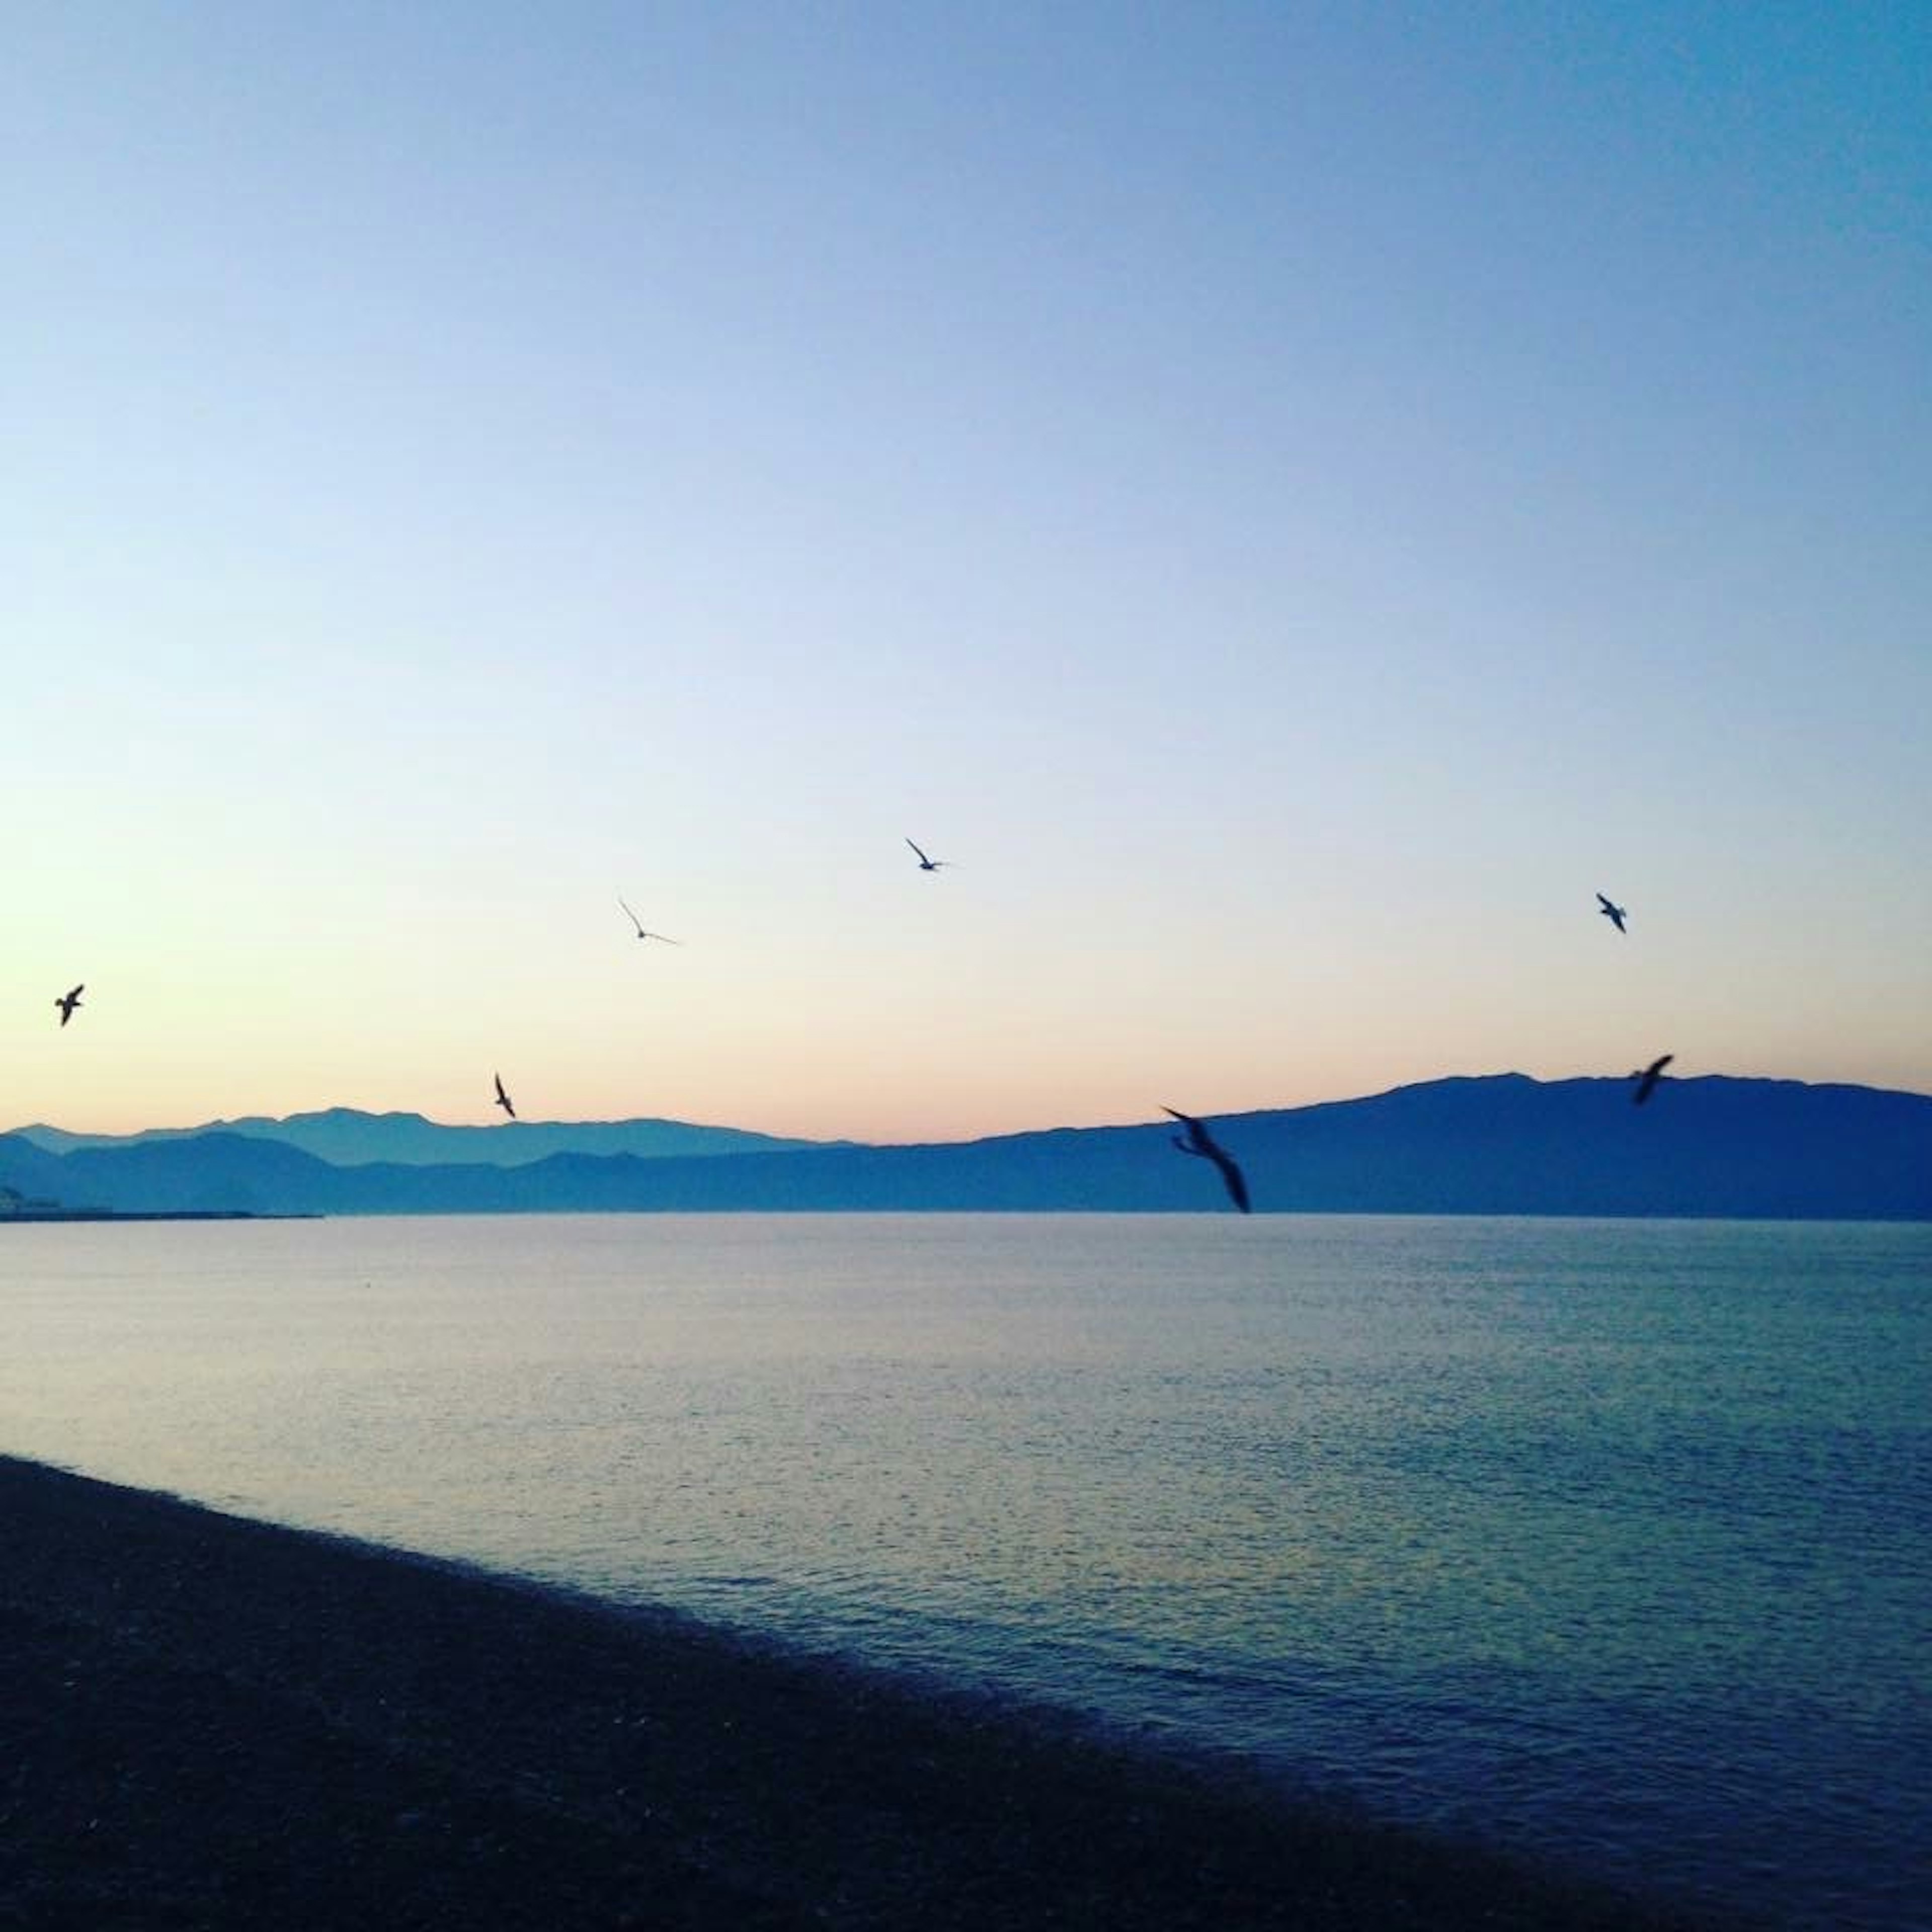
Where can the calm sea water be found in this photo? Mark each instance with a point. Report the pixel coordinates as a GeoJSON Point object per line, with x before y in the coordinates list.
{"type": "Point", "coordinates": [1612, 1540]}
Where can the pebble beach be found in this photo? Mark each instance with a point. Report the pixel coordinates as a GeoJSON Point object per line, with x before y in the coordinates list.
{"type": "Point", "coordinates": [209, 1721]}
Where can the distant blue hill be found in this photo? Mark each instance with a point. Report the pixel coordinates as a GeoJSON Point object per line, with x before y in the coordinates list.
{"type": "Point", "coordinates": [1502, 1144]}
{"type": "Point", "coordinates": [29, 1174]}
{"type": "Point", "coordinates": [347, 1138]}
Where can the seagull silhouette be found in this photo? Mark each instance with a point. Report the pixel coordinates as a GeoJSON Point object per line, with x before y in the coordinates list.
{"type": "Point", "coordinates": [639, 924]}
{"type": "Point", "coordinates": [1615, 914]}
{"type": "Point", "coordinates": [926, 864]}
{"type": "Point", "coordinates": [1647, 1078]}
{"type": "Point", "coordinates": [68, 1002]}
{"type": "Point", "coordinates": [1199, 1141]}
{"type": "Point", "coordinates": [502, 1098]}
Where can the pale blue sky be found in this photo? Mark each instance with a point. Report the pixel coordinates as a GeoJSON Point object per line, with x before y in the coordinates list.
{"type": "Point", "coordinates": [1293, 499]}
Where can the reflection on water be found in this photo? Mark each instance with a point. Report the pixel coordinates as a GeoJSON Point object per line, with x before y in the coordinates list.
{"type": "Point", "coordinates": [1606, 1538]}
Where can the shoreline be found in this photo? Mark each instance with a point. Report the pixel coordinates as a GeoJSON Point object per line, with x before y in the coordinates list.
{"type": "Point", "coordinates": [41, 1216]}
{"type": "Point", "coordinates": [210, 1721]}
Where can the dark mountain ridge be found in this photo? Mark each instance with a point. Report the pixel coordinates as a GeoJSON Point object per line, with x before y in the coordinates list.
{"type": "Point", "coordinates": [347, 1137]}
{"type": "Point", "coordinates": [1503, 1144]}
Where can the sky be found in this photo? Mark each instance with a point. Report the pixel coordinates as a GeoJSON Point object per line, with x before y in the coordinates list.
{"type": "Point", "coordinates": [1290, 500]}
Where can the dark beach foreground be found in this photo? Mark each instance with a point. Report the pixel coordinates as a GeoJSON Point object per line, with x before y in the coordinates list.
{"type": "Point", "coordinates": [205, 1721]}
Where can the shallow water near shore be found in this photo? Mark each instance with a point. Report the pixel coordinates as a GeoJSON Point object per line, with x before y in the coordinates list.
{"type": "Point", "coordinates": [1608, 1539]}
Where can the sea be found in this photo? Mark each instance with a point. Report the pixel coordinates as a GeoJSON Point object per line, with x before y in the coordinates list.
{"type": "Point", "coordinates": [1609, 1541]}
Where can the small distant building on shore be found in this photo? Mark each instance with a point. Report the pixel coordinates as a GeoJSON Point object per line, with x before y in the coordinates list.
{"type": "Point", "coordinates": [17, 1206]}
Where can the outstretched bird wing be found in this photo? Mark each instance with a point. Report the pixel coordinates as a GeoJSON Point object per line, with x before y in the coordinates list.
{"type": "Point", "coordinates": [1237, 1185]}
{"type": "Point", "coordinates": [1647, 1078]}
{"type": "Point", "coordinates": [923, 859]}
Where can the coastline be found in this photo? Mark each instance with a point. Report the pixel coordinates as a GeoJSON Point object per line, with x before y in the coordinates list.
{"type": "Point", "coordinates": [40, 1217]}
{"type": "Point", "coordinates": [209, 1721]}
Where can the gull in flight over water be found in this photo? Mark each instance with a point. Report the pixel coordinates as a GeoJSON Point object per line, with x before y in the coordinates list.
{"type": "Point", "coordinates": [639, 924]}
{"type": "Point", "coordinates": [502, 1098]}
{"type": "Point", "coordinates": [1198, 1140]}
{"type": "Point", "coordinates": [926, 864]}
{"type": "Point", "coordinates": [1647, 1078]}
{"type": "Point", "coordinates": [1615, 914]}
{"type": "Point", "coordinates": [68, 1001]}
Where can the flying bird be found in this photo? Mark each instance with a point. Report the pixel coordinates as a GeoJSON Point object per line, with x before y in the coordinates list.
{"type": "Point", "coordinates": [503, 1098]}
{"type": "Point", "coordinates": [926, 864]}
{"type": "Point", "coordinates": [639, 924]}
{"type": "Point", "coordinates": [1647, 1078]}
{"type": "Point", "coordinates": [1198, 1140]}
{"type": "Point", "coordinates": [68, 1002]}
{"type": "Point", "coordinates": [1615, 914]}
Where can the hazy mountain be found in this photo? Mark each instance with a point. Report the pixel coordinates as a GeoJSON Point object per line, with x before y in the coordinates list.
{"type": "Point", "coordinates": [1502, 1144]}
{"type": "Point", "coordinates": [347, 1138]}
{"type": "Point", "coordinates": [32, 1174]}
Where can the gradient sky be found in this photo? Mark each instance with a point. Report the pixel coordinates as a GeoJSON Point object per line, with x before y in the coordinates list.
{"type": "Point", "coordinates": [1292, 499]}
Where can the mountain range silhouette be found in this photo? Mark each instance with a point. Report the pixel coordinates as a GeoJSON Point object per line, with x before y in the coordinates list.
{"type": "Point", "coordinates": [1502, 1143]}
